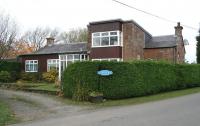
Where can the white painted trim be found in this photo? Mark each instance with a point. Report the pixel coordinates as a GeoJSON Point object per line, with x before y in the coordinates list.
{"type": "Point", "coordinates": [33, 65]}
{"type": "Point", "coordinates": [59, 73]}
{"type": "Point", "coordinates": [57, 61]}
{"type": "Point", "coordinates": [100, 36]}
{"type": "Point", "coordinates": [109, 59]}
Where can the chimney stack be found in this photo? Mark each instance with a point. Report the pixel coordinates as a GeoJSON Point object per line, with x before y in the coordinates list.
{"type": "Point", "coordinates": [50, 41]}
{"type": "Point", "coordinates": [178, 29]}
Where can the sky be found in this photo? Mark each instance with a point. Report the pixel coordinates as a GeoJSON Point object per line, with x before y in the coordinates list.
{"type": "Point", "coordinates": [68, 14]}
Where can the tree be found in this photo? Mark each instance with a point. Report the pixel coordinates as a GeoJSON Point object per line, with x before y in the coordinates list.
{"type": "Point", "coordinates": [75, 35]}
{"type": "Point", "coordinates": [8, 33]}
{"type": "Point", "coordinates": [36, 37]}
{"type": "Point", "coordinates": [198, 48]}
{"type": "Point", "coordinates": [20, 47]}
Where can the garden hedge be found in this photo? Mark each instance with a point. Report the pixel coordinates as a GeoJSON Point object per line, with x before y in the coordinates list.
{"type": "Point", "coordinates": [13, 68]}
{"type": "Point", "coordinates": [129, 79]}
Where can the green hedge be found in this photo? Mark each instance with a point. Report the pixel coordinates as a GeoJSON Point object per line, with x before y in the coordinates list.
{"type": "Point", "coordinates": [13, 68]}
{"type": "Point", "coordinates": [10, 66]}
{"type": "Point", "coordinates": [129, 79]}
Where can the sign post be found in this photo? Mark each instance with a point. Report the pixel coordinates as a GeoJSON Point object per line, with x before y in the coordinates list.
{"type": "Point", "coordinates": [103, 73]}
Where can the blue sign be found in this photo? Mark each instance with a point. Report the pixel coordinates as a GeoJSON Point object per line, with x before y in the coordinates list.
{"type": "Point", "coordinates": [104, 72]}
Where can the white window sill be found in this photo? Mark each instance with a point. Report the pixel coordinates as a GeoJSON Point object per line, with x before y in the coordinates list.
{"type": "Point", "coordinates": [106, 46]}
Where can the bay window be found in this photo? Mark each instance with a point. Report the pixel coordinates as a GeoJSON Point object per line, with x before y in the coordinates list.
{"type": "Point", "coordinates": [104, 39]}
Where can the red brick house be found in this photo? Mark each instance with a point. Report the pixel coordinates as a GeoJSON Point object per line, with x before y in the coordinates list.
{"type": "Point", "coordinates": [108, 40]}
{"type": "Point", "coordinates": [126, 40]}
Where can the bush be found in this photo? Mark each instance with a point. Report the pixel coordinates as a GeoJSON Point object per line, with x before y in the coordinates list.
{"type": "Point", "coordinates": [11, 67]}
{"type": "Point", "coordinates": [5, 76]}
{"type": "Point", "coordinates": [188, 75]}
{"type": "Point", "coordinates": [129, 79]}
{"type": "Point", "coordinates": [33, 77]}
{"type": "Point", "coordinates": [50, 76]}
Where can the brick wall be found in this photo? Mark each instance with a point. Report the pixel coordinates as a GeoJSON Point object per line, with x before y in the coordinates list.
{"type": "Point", "coordinates": [133, 42]}
{"type": "Point", "coordinates": [167, 54]}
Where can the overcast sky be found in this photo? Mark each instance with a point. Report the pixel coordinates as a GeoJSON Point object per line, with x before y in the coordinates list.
{"type": "Point", "coordinates": [67, 14]}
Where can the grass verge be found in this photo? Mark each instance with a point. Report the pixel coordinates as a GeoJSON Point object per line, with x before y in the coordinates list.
{"type": "Point", "coordinates": [138, 100]}
{"type": "Point", "coordinates": [6, 116]}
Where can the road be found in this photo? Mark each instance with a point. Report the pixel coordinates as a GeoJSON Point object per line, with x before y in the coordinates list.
{"type": "Point", "coordinates": [180, 111]}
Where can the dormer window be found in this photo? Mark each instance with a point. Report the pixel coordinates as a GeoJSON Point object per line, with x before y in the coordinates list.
{"type": "Point", "coordinates": [105, 39]}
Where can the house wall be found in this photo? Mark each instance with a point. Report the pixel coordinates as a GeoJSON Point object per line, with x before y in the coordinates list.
{"type": "Point", "coordinates": [133, 42]}
{"type": "Point", "coordinates": [168, 54]}
{"type": "Point", "coordinates": [104, 52]}
{"type": "Point", "coordinates": [42, 61]}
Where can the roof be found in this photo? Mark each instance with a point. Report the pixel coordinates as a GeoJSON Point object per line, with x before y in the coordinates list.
{"type": "Point", "coordinates": [62, 48]}
{"type": "Point", "coordinates": [161, 42]}
{"type": "Point", "coordinates": [122, 21]}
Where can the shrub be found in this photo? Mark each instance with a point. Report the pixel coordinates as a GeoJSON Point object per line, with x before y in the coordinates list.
{"type": "Point", "coordinates": [5, 76]}
{"type": "Point", "coordinates": [11, 67]}
{"type": "Point", "coordinates": [129, 79]}
{"type": "Point", "coordinates": [188, 75]}
{"type": "Point", "coordinates": [50, 76]}
{"type": "Point", "coordinates": [33, 77]}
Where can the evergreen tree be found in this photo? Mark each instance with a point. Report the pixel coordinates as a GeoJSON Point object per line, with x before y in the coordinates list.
{"type": "Point", "coordinates": [198, 48]}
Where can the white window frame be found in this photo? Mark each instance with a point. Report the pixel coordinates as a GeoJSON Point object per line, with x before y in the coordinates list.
{"type": "Point", "coordinates": [119, 38]}
{"type": "Point", "coordinates": [64, 59]}
{"type": "Point", "coordinates": [29, 63]}
{"type": "Point", "coordinates": [51, 62]}
{"type": "Point", "coordinates": [108, 59]}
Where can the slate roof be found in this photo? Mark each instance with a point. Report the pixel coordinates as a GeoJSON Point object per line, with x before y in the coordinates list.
{"type": "Point", "coordinates": [161, 42]}
{"type": "Point", "coordinates": [62, 48]}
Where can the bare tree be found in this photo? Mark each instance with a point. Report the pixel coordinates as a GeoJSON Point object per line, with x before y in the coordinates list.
{"type": "Point", "coordinates": [8, 33]}
{"type": "Point", "coordinates": [37, 37]}
{"type": "Point", "coordinates": [75, 35]}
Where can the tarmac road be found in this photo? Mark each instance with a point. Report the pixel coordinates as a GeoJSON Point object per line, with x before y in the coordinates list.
{"type": "Point", "coordinates": [180, 111]}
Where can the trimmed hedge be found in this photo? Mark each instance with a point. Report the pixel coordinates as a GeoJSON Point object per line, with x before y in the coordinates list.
{"type": "Point", "coordinates": [129, 79]}
{"type": "Point", "coordinates": [13, 68]}
{"type": "Point", "coordinates": [10, 66]}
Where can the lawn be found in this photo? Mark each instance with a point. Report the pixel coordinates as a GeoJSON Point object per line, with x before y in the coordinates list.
{"type": "Point", "coordinates": [45, 86]}
{"type": "Point", "coordinates": [6, 116]}
{"type": "Point", "coordinates": [138, 100]}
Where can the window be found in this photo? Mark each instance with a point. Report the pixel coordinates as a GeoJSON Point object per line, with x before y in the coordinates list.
{"type": "Point", "coordinates": [31, 65]}
{"type": "Point", "coordinates": [52, 64]}
{"type": "Point", "coordinates": [107, 59]}
{"type": "Point", "coordinates": [67, 59]}
{"type": "Point", "coordinates": [103, 39]}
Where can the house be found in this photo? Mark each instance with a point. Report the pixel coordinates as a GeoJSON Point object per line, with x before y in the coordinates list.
{"type": "Point", "coordinates": [115, 40]}
{"type": "Point", "coordinates": [127, 40]}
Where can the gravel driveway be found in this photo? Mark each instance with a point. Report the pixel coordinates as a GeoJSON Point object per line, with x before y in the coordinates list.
{"type": "Point", "coordinates": [31, 106]}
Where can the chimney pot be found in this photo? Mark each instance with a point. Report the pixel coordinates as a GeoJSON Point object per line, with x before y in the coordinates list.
{"type": "Point", "coordinates": [50, 41]}
{"type": "Point", "coordinates": [178, 29]}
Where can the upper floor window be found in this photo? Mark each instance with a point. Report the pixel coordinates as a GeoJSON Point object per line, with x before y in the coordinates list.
{"type": "Point", "coordinates": [103, 39]}
{"type": "Point", "coordinates": [31, 65]}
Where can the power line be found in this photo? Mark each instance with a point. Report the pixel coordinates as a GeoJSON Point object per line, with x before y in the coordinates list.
{"type": "Point", "coordinates": [148, 13]}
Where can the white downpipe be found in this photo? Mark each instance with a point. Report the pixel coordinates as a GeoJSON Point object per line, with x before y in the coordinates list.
{"type": "Point", "coordinates": [59, 74]}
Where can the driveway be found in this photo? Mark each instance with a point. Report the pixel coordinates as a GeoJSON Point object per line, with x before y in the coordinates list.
{"type": "Point", "coordinates": [32, 106]}
{"type": "Point", "coordinates": [181, 111]}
